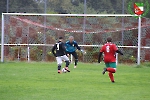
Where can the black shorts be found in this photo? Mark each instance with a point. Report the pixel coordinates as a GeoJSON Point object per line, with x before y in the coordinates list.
{"type": "Point", "coordinates": [74, 54]}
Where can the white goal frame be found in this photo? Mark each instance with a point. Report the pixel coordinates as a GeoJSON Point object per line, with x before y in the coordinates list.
{"type": "Point", "coordinates": [88, 15]}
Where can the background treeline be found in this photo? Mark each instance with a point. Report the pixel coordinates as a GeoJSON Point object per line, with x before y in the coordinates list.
{"type": "Point", "coordinates": [69, 6]}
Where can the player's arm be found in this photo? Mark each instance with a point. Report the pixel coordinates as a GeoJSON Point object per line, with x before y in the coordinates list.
{"type": "Point", "coordinates": [118, 51]}
{"type": "Point", "coordinates": [63, 47]}
{"type": "Point", "coordinates": [66, 49]}
{"type": "Point", "coordinates": [100, 54]}
{"type": "Point", "coordinates": [77, 46]}
{"type": "Point", "coordinates": [53, 50]}
{"type": "Point", "coordinates": [99, 57]}
{"type": "Point", "coordinates": [66, 46]}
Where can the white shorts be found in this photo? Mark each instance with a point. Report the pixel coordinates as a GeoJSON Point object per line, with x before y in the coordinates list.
{"type": "Point", "coordinates": [60, 58]}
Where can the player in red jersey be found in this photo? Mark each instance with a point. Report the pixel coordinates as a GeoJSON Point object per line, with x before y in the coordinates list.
{"type": "Point", "coordinates": [109, 49]}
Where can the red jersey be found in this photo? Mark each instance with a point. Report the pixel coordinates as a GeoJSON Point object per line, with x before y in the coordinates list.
{"type": "Point", "coordinates": [109, 49]}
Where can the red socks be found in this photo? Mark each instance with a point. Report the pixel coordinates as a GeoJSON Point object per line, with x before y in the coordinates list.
{"type": "Point", "coordinates": [111, 76]}
{"type": "Point", "coordinates": [111, 71]}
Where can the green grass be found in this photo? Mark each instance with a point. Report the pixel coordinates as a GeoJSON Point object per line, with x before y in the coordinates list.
{"type": "Point", "coordinates": [40, 81]}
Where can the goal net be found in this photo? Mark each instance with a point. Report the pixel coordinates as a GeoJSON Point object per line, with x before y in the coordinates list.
{"type": "Point", "coordinates": [31, 36]}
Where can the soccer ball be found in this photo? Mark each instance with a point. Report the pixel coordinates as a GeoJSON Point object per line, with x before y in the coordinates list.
{"type": "Point", "coordinates": [63, 70]}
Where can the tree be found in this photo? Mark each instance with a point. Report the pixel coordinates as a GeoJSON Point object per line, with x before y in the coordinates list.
{"type": "Point", "coordinates": [100, 5]}
{"type": "Point", "coordinates": [3, 7]}
{"type": "Point", "coordinates": [20, 6]}
{"type": "Point", "coordinates": [68, 6]}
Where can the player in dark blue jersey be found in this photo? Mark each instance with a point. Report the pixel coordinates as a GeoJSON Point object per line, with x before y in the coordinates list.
{"type": "Point", "coordinates": [71, 47]}
{"type": "Point", "coordinates": [59, 52]}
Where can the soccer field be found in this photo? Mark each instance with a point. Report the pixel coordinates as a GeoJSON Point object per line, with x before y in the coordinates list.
{"type": "Point", "coordinates": [40, 81]}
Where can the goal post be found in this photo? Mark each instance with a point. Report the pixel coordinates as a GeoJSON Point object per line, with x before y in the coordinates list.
{"type": "Point", "coordinates": [2, 39]}
{"type": "Point", "coordinates": [139, 41]}
{"type": "Point", "coordinates": [79, 17]}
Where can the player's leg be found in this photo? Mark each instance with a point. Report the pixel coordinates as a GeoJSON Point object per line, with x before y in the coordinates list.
{"type": "Point", "coordinates": [76, 59]}
{"type": "Point", "coordinates": [66, 59]}
{"type": "Point", "coordinates": [111, 68]}
{"type": "Point", "coordinates": [68, 55]}
{"type": "Point", "coordinates": [105, 69]}
{"type": "Point", "coordinates": [59, 62]}
{"type": "Point", "coordinates": [111, 76]}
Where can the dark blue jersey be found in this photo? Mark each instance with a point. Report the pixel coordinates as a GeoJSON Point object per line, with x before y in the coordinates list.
{"type": "Point", "coordinates": [71, 47]}
{"type": "Point", "coordinates": [59, 47]}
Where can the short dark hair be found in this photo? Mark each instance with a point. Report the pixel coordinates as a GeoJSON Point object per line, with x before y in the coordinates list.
{"type": "Point", "coordinates": [60, 37]}
{"type": "Point", "coordinates": [109, 39]}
